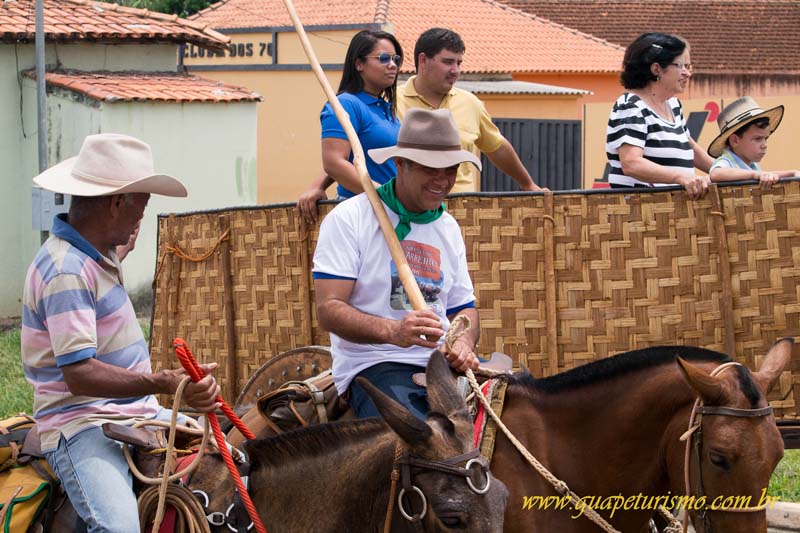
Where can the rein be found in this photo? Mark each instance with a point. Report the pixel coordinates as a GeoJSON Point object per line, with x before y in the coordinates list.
{"type": "Point", "coordinates": [460, 325]}
{"type": "Point", "coordinates": [695, 431]}
{"type": "Point", "coordinates": [196, 373]}
{"type": "Point", "coordinates": [406, 465]}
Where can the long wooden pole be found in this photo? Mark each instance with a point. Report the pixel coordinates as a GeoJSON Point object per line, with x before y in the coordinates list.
{"type": "Point", "coordinates": [399, 258]}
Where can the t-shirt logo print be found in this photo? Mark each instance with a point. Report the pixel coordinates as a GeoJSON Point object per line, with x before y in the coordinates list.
{"type": "Point", "coordinates": [425, 263]}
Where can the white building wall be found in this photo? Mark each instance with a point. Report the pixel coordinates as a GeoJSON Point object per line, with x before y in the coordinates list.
{"type": "Point", "coordinates": [15, 219]}
{"type": "Point", "coordinates": [210, 147]}
{"type": "Point", "coordinates": [92, 56]}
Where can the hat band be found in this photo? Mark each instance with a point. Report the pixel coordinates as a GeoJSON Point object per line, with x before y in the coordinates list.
{"type": "Point", "coordinates": [431, 147]}
{"type": "Point", "coordinates": [746, 114]}
{"type": "Point", "coordinates": [100, 181]}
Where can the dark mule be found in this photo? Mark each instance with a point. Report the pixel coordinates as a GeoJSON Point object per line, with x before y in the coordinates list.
{"type": "Point", "coordinates": [336, 477]}
{"type": "Point", "coordinates": [612, 428]}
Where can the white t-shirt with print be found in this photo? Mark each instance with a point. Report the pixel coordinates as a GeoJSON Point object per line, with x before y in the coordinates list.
{"type": "Point", "coordinates": [352, 246]}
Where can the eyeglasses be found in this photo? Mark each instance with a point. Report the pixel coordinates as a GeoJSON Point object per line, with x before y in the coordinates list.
{"type": "Point", "coordinates": [384, 59]}
{"type": "Point", "coordinates": [681, 66]}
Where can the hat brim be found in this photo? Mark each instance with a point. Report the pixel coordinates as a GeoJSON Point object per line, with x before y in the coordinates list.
{"type": "Point", "coordinates": [429, 158]}
{"type": "Point", "coordinates": [775, 116]}
{"type": "Point", "coordinates": [59, 178]}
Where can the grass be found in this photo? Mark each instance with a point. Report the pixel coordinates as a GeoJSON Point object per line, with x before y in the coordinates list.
{"type": "Point", "coordinates": [785, 482]}
{"type": "Point", "coordinates": [16, 395]}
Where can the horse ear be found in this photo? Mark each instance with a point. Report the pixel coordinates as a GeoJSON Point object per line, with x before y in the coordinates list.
{"type": "Point", "coordinates": [773, 364]}
{"type": "Point", "coordinates": [709, 389]}
{"type": "Point", "coordinates": [407, 426]}
{"type": "Point", "coordinates": [443, 396]}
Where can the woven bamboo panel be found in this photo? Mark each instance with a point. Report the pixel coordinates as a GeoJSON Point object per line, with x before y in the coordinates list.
{"type": "Point", "coordinates": [561, 280]}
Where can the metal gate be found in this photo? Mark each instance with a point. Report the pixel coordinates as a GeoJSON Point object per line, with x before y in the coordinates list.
{"type": "Point", "coordinates": [549, 149]}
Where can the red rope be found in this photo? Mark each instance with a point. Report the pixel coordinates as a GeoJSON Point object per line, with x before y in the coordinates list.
{"type": "Point", "coordinates": [191, 366]}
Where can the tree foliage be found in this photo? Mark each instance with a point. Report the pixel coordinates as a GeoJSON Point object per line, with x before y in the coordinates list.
{"type": "Point", "coordinates": [182, 8]}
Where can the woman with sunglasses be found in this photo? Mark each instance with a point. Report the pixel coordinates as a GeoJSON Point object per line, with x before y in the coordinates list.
{"type": "Point", "coordinates": [647, 141]}
{"type": "Point", "coordinates": [368, 93]}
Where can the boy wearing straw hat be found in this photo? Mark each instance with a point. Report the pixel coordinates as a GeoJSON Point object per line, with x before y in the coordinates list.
{"type": "Point", "coordinates": [375, 333]}
{"type": "Point", "coordinates": [742, 143]}
{"type": "Point", "coordinates": [82, 348]}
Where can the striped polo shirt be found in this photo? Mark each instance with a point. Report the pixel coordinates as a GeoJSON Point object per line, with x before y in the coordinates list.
{"type": "Point", "coordinates": [664, 143]}
{"type": "Point", "coordinates": [74, 308]}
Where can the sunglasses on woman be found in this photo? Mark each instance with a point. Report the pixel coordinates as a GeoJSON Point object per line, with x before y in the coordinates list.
{"type": "Point", "coordinates": [385, 57]}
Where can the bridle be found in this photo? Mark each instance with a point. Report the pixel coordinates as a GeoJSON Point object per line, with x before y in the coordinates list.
{"type": "Point", "coordinates": [235, 517]}
{"type": "Point", "coordinates": [696, 432]}
{"type": "Point", "coordinates": [406, 465]}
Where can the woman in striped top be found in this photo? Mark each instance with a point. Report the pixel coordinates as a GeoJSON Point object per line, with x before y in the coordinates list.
{"type": "Point", "coordinates": [647, 142]}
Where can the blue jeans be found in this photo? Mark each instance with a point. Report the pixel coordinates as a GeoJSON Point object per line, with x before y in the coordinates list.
{"type": "Point", "coordinates": [96, 478]}
{"type": "Point", "coordinates": [393, 379]}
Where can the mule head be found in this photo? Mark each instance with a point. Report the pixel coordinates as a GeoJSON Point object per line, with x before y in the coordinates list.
{"type": "Point", "coordinates": [453, 504]}
{"type": "Point", "coordinates": [734, 452]}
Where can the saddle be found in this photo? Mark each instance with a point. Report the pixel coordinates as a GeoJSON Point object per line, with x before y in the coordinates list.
{"type": "Point", "coordinates": [303, 403]}
{"type": "Point", "coordinates": [316, 400]}
{"type": "Point", "coordinates": [145, 440]}
{"type": "Point", "coordinates": [29, 490]}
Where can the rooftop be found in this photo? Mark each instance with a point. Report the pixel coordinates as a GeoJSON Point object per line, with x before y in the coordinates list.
{"type": "Point", "coordinates": [516, 87]}
{"type": "Point", "coordinates": [145, 87]}
{"type": "Point", "coordinates": [726, 36]}
{"type": "Point", "coordinates": [499, 39]}
{"type": "Point", "coordinates": [84, 20]}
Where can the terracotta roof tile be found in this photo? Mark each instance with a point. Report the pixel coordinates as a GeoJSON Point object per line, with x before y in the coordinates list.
{"type": "Point", "coordinates": [138, 87]}
{"type": "Point", "coordinates": [86, 20]}
{"type": "Point", "coordinates": [727, 36]}
{"type": "Point", "coordinates": [229, 14]}
{"type": "Point", "coordinates": [498, 38]}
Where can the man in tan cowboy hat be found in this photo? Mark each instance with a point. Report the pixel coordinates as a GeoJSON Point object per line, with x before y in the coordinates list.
{"type": "Point", "coordinates": [82, 348]}
{"type": "Point", "coordinates": [375, 333]}
{"type": "Point", "coordinates": [742, 143]}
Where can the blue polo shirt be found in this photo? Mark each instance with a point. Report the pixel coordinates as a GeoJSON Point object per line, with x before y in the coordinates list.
{"type": "Point", "coordinates": [376, 128]}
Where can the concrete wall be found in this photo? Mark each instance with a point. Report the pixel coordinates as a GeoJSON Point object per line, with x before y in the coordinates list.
{"type": "Point", "coordinates": [605, 87]}
{"type": "Point", "coordinates": [15, 221]}
{"type": "Point", "coordinates": [93, 56]}
{"type": "Point", "coordinates": [533, 106]}
{"type": "Point", "coordinates": [211, 147]}
{"type": "Point", "coordinates": [288, 118]}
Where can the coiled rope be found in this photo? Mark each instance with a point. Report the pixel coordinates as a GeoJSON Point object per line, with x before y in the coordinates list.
{"type": "Point", "coordinates": [190, 516]}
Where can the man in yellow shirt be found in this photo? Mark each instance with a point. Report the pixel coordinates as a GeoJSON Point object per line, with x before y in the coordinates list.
{"type": "Point", "coordinates": [437, 57]}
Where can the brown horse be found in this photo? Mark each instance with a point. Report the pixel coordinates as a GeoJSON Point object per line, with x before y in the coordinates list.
{"type": "Point", "coordinates": [611, 430]}
{"type": "Point", "coordinates": [337, 477]}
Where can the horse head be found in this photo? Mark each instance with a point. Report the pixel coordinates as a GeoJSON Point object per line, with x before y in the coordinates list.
{"type": "Point", "coordinates": [734, 444]}
{"type": "Point", "coordinates": [467, 498]}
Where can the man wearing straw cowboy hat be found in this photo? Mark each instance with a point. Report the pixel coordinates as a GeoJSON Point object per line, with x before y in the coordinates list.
{"type": "Point", "coordinates": [375, 333]}
{"type": "Point", "coordinates": [82, 348]}
{"type": "Point", "coordinates": [742, 143]}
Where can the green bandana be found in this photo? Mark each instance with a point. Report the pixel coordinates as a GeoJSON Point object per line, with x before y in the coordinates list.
{"type": "Point", "coordinates": [386, 192]}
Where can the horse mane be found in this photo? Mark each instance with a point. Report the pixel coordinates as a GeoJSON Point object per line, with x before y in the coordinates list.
{"type": "Point", "coordinates": [748, 386]}
{"type": "Point", "coordinates": [311, 441]}
{"type": "Point", "coordinates": [616, 366]}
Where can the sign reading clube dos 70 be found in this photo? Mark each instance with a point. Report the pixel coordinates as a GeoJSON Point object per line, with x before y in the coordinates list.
{"type": "Point", "coordinates": [243, 49]}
